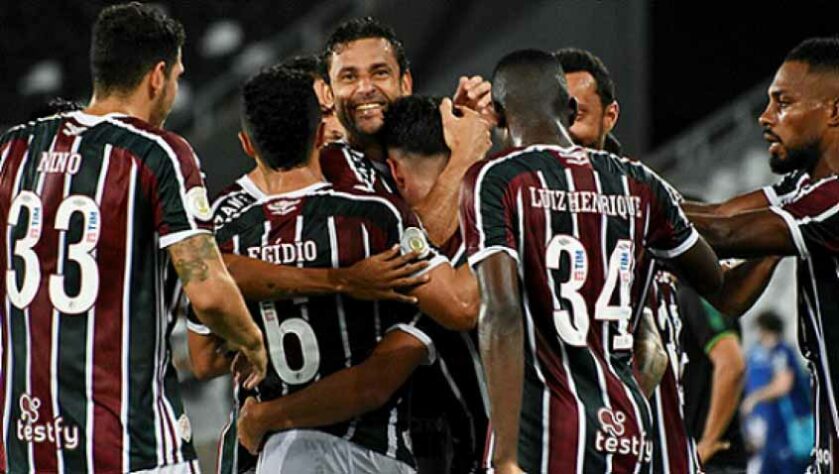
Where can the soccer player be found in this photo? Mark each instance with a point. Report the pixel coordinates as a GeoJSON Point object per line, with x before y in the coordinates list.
{"type": "Point", "coordinates": [94, 204]}
{"type": "Point", "coordinates": [801, 124]}
{"type": "Point", "coordinates": [346, 377]}
{"type": "Point", "coordinates": [556, 233]}
{"type": "Point", "coordinates": [366, 69]}
{"type": "Point", "coordinates": [452, 393]}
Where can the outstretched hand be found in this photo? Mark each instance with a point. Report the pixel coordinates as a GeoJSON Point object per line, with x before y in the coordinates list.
{"type": "Point", "coordinates": [380, 276]}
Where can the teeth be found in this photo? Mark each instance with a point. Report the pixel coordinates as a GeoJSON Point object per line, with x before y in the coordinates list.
{"type": "Point", "coordinates": [367, 106]}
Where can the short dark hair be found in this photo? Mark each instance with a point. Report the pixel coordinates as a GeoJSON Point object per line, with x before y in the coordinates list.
{"type": "Point", "coordinates": [821, 54]}
{"type": "Point", "coordinates": [413, 124]}
{"type": "Point", "coordinates": [526, 77]}
{"type": "Point", "coordinates": [362, 28]}
{"type": "Point", "coordinates": [580, 60]}
{"type": "Point", "coordinates": [129, 40]}
{"type": "Point", "coordinates": [770, 321]}
{"type": "Point", "coordinates": [308, 64]}
{"type": "Point", "coordinates": [281, 114]}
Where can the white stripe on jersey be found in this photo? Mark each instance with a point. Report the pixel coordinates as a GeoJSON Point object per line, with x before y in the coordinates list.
{"type": "Point", "coordinates": [582, 425]}
{"type": "Point", "coordinates": [458, 395]}
{"type": "Point", "coordinates": [62, 237]}
{"type": "Point", "coordinates": [10, 355]}
{"type": "Point", "coordinates": [662, 432]}
{"type": "Point", "coordinates": [479, 370]}
{"type": "Point", "coordinates": [377, 319]}
{"type": "Point", "coordinates": [4, 155]}
{"type": "Point", "coordinates": [172, 157]}
{"type": "Point", "coordinates": [391, 430]}
{"type": "Point", "coordinates": [820, 341]}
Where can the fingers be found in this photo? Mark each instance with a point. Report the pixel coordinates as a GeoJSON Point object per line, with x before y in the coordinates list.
{"type": "Point", "coordinates": [447, 110]}
{"type": "Point", "coordinates": [408, 269]}
{"type": "Point", "coordinates": [392, 295]}
{"type": "Point", "coordinates": [405, 259]}
{"type": "Point", "coordinates": [411, 281]}
{"type": "Point", "coordinates": [389, 254]}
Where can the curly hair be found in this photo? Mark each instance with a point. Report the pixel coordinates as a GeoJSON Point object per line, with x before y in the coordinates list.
{"type": "Point", "coordinates": [280, 113]}
{"type": "Point", "coordinates": [361, 28]}
{"type": "Point", "coordinates": [413, 125]}
{"type": "Point", "coordinates": [128, 41]}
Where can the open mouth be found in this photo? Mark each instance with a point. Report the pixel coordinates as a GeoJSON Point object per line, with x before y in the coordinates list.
{"type": "Point", "coordinates": [369, 108]}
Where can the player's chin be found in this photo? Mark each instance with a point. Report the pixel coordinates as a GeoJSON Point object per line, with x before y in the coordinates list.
{"type": "Point", "coordinates": [780, 164]}
{"type": "Point", "coordinates": [369, 125]}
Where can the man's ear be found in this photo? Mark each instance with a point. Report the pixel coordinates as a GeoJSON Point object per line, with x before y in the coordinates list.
{"type": "Point", "coordinates": [572, 110]}
{"type": "Point", "coordinates": [407, 83]}
{"type": "Point", "coordinates": [396, 172]}
{"type": "Point", "coordinates": [833, 117]}
{"type": "Point", "coordinates": [157, 79]}
{"type": "Point", "coordinates": [610, 116]}
{"type": "Point", "coordinates": [247, 145]}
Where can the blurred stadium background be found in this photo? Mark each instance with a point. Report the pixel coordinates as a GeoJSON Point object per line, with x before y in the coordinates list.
{"type": "Point", "coordinates": [691, 80]}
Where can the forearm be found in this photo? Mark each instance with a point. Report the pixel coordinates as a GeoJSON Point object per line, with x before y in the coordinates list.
{"type": "Point", "coordinates": [228, 317]}
{"type": "Point", "coordinates": [781, 385]}
{"type": "Point", "coordinates": [439, 210]}
{"type": "Point", "coordinates": [650, 357]}
{"type": "Point", "coordinates": [259, 280]}
{"type": "Point", "coordinates": [725, 396]}
{"type": "Point", "coordinates": [501, 344]}
{"type": "Point", "coordinates": [743, 284]}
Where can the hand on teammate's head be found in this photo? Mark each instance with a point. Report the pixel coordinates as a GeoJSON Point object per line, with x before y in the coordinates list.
{"type": "Point", "coordinates": [465, 130]}
{"type": "Point", "coordinates": [475, 93]}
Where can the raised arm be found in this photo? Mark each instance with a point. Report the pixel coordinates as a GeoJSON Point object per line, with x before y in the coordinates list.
{"type": "Point", "coordinates": [744, 202]}
{"type": "Point", "coordinates": [747, 234]}
{"type": "Point", "coordinates": [217, 301]}
{"type": "Point", "coordinates": [501, 337]}
{"type": "Point", "coordinates": [468, 138]}
{"type": "Point", "coordinates": [341, 396]}
{"type": "Point", "coordinates": [742, 285]}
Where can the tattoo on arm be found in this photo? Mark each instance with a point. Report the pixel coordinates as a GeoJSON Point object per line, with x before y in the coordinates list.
{"type": "Point", "coordinates": [191, 257]}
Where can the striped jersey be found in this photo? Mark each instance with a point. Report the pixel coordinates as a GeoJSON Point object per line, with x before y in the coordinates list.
{"type": "Point", "coordinates": [675, 450]}
{"type": "Point", "coordinates": [581, 225]}
{"type": "Point", "coordinates": [88, 205]}
{"type": "Point", "coordinates": [785, 189]}
{"type": "Point", "coordinates": [309, 338]}
{"type": "Point", "coordinates": [347, 168]}
{"type": "Point", "coordinates": [812, 217]}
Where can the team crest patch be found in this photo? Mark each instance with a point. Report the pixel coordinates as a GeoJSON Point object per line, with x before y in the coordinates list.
{"type": "Point", "coordinates": [198, 204]}
{"type": "Point", "coordinates": [283, 207]}
{"type": "Point", "coordinates": [185, 428]}
{"type": "Point", "coordinates": [413, 240]}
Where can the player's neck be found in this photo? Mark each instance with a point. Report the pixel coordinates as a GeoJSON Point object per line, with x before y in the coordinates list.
{"type": "Point", "coordinates": [828, 163]}
{"type": "Point", "coordinates": [370, 146]}
{"type": "Point", "coordinates": [114, 103]}
{"type": "Point", "coordinates": [539, 132]}
{"type": "Point", "coordinates": [282, 182]}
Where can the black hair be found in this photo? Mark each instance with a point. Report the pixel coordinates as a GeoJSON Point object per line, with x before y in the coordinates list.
{"type": "Point", "coordinates": [413, 124]}
{"type": "Point", "coordinates": [580, 60]}
{"type": "Point", "coordinates": [821, 54]}
{"type": "Point", "coordinates": [530, 80]}
{"type": "Point", "coordinates": [281, 114]}
{"type": "Point", "coordinates": [769, 321]}
{"type": "Point", "coordinates": [362, 28]}
{"type": "Point", "coordinates": [56, 105]}
{"type": "Point", "coordinates": [128, 41]}
{"type": "Point", "coordinates": [308, 64]}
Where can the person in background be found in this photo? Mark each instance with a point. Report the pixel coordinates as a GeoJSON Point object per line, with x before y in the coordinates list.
{"type": "Point", "coordinates": [776, 394]}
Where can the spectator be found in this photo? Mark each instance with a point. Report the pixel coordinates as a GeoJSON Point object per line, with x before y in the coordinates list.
{"type": "Point", "coordinates": [776, 409]}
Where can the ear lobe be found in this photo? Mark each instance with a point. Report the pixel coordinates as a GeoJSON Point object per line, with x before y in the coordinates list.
{"type": "Point", "coordinates": [157, 80]}
{"type": "Point", "coordinates": [247, 146]}
{"type": "Point", "coordinates": [610, 117]}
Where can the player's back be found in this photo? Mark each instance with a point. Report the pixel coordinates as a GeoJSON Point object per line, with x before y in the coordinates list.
{"type": "Point", "coordinates": [311, 337]}
{"type": "Point", "coordinates": [88, 203]}
{"type": "Point", "coordinates": [580, 224]}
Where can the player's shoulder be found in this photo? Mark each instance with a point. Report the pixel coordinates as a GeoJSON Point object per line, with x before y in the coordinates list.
{"type": "Point", "coordinates": [234, 199]}
{"type": "Point", "coordinates": [355, 197]}
{"type": "Point", "coordinates": [157, 139]}
{"type": "Point", "coordinates": [827, 186]}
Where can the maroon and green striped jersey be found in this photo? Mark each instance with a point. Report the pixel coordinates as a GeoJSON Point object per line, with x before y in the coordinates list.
{"type": "Point", "coordinates": [309, 338]}
{"type": "Point", "coordinates": [89, 205]}
{"type": "Point", "coordinates": [812, 217]}
{"type": "Point", "coordinates": [675, 450]}
{"type": "Point", "coordinates": [582, 227]}
{"type": "Point", "coordinates": [347, 168]}
{"type": "Point", "coordinates": [786, 188]}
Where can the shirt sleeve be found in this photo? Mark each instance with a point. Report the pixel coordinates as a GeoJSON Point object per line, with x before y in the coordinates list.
{"type": "Point", "coordinates": [784, 190]}
{"type": "Point", "coordinates": [486, 216]}
{"type": "Point", "coordinates": [410, 235]}
{"type": "Point", "coordinates": [420, 327]}
{"type": "Point", "coordinates": [813, 217]}
{"type": "Point", "coordinates": [669, 233]}
{"type": "Point", "coordinates": [182, 208]}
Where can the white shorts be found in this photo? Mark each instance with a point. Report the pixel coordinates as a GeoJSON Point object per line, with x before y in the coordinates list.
{"type": "Point", "coordinates": [188, 467]}
{"type": "Point", "coordinates": [315, 452]}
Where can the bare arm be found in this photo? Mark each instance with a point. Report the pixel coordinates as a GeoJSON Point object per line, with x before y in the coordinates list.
{"type": "Point", "coordinates": [450, 297]}
{"type": "Point", "coordinates": [501, 338]}
{"type": "Point", "coordinates": [729, 367]}
{"type": "Point", "coordinates": [374, 278]}
{"type": "Point", "coordinates": [780, 385]}
{"type": "Point", "coordinates": [700, 267]}
{"type": "Point", "coordinates": [468, 138]}
{"type": "Point", "coordinates": [747, 234]}
{"type": "Point", "coordinates": [341, 396]}
{"type": "Point", "coordinates": [744, 202]}
{"type": "Point", "coordinates": [742, 285]}
{"type": "Point", "coordinates": [217, 301]}
{"type": "Point", "coordinates": [650, 356]}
